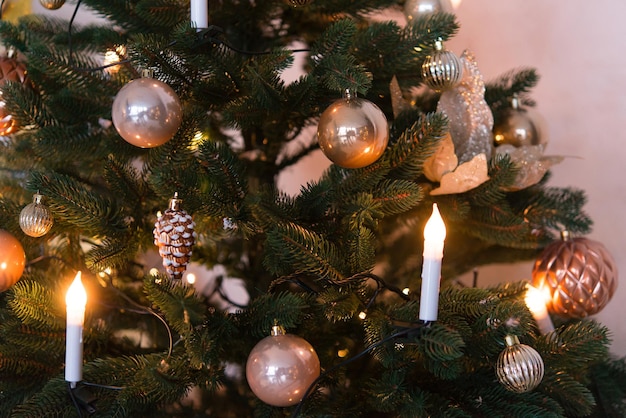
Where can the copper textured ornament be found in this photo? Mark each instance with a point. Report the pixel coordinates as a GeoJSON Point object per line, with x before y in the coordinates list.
{"type": "Point", "coordinates": [519, 367]}
{"type": "Point", "coordinates": [442, 69]}
{"type": "Point", "coordinates": [146, 112]}
{"type": "Point", "coordinates": [516, 127]}
{"type": "Point", "coordinates": [414, 9]}
{"type": "Point", "coordinates": [580, 274]}
{"type": "Point", "coordinates": [12, 260]}
{"type": "Point", "coordinates": [353, 132]}
{"type": "Point", "coordinates": [35, 218]}
{"type": "Point", "coordinates": [281, 367]}
{"type": "Point", "coordinates": [175, 236]}
{"type": "Point", "coordinates": [52, 4]}
{"type": "Point", "coordinates": [14, 71]}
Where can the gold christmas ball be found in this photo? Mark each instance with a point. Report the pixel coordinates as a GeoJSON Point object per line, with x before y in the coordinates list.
{"type": "Point", "coordinates": [442, 69]}
{"type": "Point", "coordinates": [175, 236]}
{"type": "Point", "coordinates": [414, 9]}
{"type": "Point", "coordinates": [353, 132]}
{"type": "Point", "coordinates": [519, 367]}
{"type": "Point", "coordinates": [579, 273]}
{"type": "Point", "coordinates": [146, 112]}
{"type": "Point", "coordinates": [35, 218]}
{"type": "Point", "coordinates": [12, 260]}
{"type": "Point", "coordinates": [14, 71]}
{"type": "Point", "coordinates": [52, 4]}
{"type": "Point", "coordinates": [516, 127]}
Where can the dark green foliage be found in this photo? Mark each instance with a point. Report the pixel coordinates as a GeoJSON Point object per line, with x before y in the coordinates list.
{"type": "Point", "coordinates": [316, 262]}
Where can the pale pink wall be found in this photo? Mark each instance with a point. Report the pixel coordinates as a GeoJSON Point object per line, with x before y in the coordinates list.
{"type": "Point", "coordinates": [577, 47]}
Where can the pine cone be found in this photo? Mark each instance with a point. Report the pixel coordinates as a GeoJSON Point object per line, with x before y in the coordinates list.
{"type": "Point", "coordinates": [175, 236]}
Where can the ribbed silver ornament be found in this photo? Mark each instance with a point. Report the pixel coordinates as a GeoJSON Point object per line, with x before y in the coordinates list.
{"type": "Point", "coordinates": [52, 4]}
{"type": "Point", "coordinates": [442, 69]}
{"type": "Point", "coordinates": [36, 219]}
{"type": "Point", "coordinates": [520, 367]}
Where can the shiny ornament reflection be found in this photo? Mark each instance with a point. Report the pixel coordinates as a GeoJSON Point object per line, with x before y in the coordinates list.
{"type": "Point", "coordinates": [146, 112]}
{"type": "Point", "coordinates": [12, 260]}
{"type": "Point", "coordinates": [516, 127]}
{"type": "Point", "coordinates": [414, 9]}
{"type": "Point", "coordinates": [580, 273]}
{"type": "Point", "coordinates": [36, 218]}
{"type": "Point", "coordinates": [281, 367]}
{"type": "Point", "coordinates": [519, 367]}
{"type": "Point", "coordinates": [52, 4]}
{"type": "Point", "coordinates": [353, 132]}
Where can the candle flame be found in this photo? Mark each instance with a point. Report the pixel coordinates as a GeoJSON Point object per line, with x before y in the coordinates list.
{"type": "Point", "coordinates": [536, 299]}
{"type": "Point", "coordinates": [435, 229]}
{"type": "Point", "coordinates": [76, 296]}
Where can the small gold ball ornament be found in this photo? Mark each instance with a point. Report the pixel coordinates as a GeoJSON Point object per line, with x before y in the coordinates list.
{"type": "Point", "coordinates": [52, 4]}
{"type": "Point", "coordinates": [36, 219]}
{"type": "Point", "coordinates": [353, 132]}
{"type": "Point", "coordinates": [12, 260]}
{"type": "Point", "coordinates": [175, 236]}
{"type": "Point", "coordinates": [442, 69]}
{"type": "Point", "coordinates": [579, 273]}
{"type": "Point", "coordinates": [516, 127]}
{"type": "Point", "coordinates": [519, 367]}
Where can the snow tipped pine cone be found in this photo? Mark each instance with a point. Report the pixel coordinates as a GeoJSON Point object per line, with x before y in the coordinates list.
{"type": "Point", "coordinates": [175, 236]}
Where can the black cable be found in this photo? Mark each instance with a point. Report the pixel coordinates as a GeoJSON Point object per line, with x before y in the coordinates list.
{"type": "Point", "coordinates": [69, 33]}
{"type": "Point", "coordinates": [74, 401]}
{"type": "Point", "coordinates": [309, 390]}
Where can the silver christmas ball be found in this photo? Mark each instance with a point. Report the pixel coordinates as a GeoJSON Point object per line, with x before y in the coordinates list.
{"type": "Point", "coordinates": [353, 132]}
{"type": "Point", "coordinates": [52, 4]}
{"type": "Point", "coordinates": [147, 112]}
{"type": "Point", "coordinates": [520, 367]}
{"type": "Point", "coordinates": [442, 69]}
{"type": "Point", "coordinates": [36, 219]}
{"type": "Point", "coordinates": [414, 9]}
{"type": "Point", "coordinates": [281, 367]}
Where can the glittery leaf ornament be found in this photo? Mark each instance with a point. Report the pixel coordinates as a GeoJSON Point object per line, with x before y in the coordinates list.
{"type": "Point", "coordinates": [467, 176]}
{"type": "Point", "coordinates": [531, 163]}
{"type": "Point", "coordinates": [471, 120]}
{"type": "Point", "coordinates": [398, 103]}
{"type": "Point", "coordinates": [443, 161]}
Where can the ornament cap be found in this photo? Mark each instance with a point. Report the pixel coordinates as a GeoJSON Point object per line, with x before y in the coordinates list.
{"type": "Point", "coordinates": [565, 235]}
{"type": "Point", "coordinates": [439, 45]}
{"type": "Point", "coordinates": [175, 202]}
{"type": "Point", "coordinates": [349, 94]}
{"type": "Point", "coordinates": [147, 73]}
{"type": "Point", "coordinates": [515, 101]}
{"type": "Point", "coordinates": [278, 330]}
{"type": "Point", "coordinates": [511, 340]}
{"type": "Point", "coordinates": [37, 198]}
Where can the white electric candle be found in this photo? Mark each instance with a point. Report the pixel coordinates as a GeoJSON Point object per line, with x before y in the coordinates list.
{"type": "Point", "coordinates": [200, 13]}
{"type": "Point", "coordinates": [536, 301]}
{"type": "Point", "coordinates": [434, 236]}
{"type": "Point", "coordinates": [75, 300]}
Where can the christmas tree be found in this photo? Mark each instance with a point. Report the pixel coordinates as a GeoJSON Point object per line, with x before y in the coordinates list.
{"type": "Point", "coordinates": [177, 147]}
